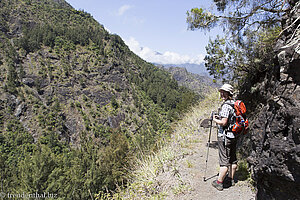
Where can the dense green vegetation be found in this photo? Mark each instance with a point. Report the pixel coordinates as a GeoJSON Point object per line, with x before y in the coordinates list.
{"type": "Point", "coordinates": [76, 105]}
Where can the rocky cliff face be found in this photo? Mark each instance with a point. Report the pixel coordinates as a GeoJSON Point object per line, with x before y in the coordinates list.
{"type": "Point", "coordinates": [275, 157]}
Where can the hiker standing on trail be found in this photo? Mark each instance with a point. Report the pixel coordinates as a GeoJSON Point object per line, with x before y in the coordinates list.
{"type": "Point", "coordinates": [226, 139]}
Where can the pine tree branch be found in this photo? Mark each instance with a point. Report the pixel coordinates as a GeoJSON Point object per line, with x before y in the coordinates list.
{"type": "Point", "coordinates": [288, 27]}
{"type": "Point", "coordinates": [271, 10]}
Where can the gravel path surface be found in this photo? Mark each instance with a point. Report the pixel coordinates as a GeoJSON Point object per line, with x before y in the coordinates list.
{"type": "Point", "coordinates": [190, 172]}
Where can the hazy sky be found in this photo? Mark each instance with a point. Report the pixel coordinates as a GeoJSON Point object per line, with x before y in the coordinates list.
{"type": "Point", "coordinates": [156, 30]}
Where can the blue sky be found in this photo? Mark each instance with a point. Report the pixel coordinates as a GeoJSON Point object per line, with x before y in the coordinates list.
{"type": "Point", "coordinates": [156, 30]}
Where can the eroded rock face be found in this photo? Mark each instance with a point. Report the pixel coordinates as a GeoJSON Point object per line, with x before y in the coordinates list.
{"type": "Point", "coordinates": [275, 157]}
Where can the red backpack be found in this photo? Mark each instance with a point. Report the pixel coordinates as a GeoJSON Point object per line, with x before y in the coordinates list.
{"type": "Point", "coordinates": [238, 123]}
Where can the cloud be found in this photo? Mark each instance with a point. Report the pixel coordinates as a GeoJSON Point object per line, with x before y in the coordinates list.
{"type": "Point", "coordinates": [162, 58]}
{"type": "Point", "coordinates": [123, 9]}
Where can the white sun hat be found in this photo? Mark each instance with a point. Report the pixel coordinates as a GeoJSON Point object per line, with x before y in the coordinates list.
{"type": "Point", "coordinates": [228, 88]}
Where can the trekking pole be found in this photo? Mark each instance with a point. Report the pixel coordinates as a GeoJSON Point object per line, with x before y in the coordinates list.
{"type": "Point", "coordinates": [211, 119]}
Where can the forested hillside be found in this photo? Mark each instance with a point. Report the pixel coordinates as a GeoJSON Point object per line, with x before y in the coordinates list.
{"type": "Point", "coordinates": [75, 103]}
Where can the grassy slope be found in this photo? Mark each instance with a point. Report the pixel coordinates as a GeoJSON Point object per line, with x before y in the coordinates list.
{"type": "Point", "coordinates": [144, 184]}
{"type": "Point", "coordinates": [169, 172]}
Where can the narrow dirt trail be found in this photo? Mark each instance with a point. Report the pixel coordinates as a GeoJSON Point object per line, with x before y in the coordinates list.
{"type": "Point", "coordinates": [191, 170]}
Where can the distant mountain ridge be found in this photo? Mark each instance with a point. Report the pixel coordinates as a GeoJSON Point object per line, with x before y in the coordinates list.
{"type": "Point", "coordinates": [200, 83]}
{"type": "Point", "coordinates": [192, 68]}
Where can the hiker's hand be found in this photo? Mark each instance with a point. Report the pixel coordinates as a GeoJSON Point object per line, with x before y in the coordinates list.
{"type": "Point", "coordinates": [215, 117]}
{"type": "Point", "coordinates": [220, 121]}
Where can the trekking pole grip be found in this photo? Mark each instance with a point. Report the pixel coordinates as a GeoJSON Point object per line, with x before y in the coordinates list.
{"type": "Point", "coordinates": [212, 115]}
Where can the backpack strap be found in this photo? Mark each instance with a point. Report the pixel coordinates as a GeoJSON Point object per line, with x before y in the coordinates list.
{"type": "Point", "coordinates": [228, 102]}
{"type": "Point", "coordinates": [231, 117]}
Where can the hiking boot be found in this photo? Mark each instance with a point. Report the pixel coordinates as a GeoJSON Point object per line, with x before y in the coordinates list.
{"type": "Point", "coordinates": [229, 181]}
{"type": "Point", "coordinates": [232, 182]}
{"type": "Point", "coordinates": [218, 186]}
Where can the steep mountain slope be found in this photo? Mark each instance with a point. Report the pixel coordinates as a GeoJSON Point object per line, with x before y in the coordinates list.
{"type": "Point", "coordinates": [75, 102]}
{"type": "Point", "coordinates": [53, 53]}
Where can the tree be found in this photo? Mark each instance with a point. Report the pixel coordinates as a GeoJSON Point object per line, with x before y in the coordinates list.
{"type": "Point", "coordinates": [245, 24]}
{"type": "Point", "coordinates": [12, 78]}
{"type": "Point", "coordinates": [35, 170]}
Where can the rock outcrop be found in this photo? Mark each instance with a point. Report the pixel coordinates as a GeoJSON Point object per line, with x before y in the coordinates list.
{"type": "Point", "coordinates": [275, 136]}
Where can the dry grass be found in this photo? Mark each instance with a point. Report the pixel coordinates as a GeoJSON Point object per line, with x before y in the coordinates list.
{"type": "Point", "coordinates": [147, 181]}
